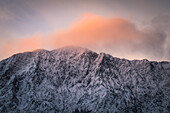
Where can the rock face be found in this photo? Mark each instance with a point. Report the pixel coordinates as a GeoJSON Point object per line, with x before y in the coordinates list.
{"type": "Point", "coordinates": [77, 80]}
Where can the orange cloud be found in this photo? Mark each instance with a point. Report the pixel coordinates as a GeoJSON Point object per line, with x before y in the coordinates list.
{"type": "Point", "coordinates": [13, 46]}
{"type": "Point", "coordinates": [93, 29]}
{"type": "Point", "coordinates": [116, 36]}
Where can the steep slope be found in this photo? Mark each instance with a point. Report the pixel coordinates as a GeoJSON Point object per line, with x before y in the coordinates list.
{"type": "Point", "coordinates": [69, 80]}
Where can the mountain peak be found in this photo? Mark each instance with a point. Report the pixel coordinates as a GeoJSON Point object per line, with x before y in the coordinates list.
{"type": "Point", "coordinates": [76, 49]}
{"type": "Point", "coordinates": [74, 79]}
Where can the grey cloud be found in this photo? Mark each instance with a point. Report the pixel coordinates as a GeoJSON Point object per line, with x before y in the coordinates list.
{"type": "Point", "coordinates": [151, 43]}
{"type": "Point", "coordinates": [162, 22]}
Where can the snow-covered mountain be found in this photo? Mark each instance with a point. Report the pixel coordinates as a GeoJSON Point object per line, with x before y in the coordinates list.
{"type": "Point", "coordinates": [77, 80]}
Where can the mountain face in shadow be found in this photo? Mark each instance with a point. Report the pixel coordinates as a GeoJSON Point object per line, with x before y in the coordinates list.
{"type": "Point", "coordinates": [77, 80]}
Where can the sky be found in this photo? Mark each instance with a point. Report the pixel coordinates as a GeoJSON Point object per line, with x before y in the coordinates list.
{"type": "Point", "coordinates": [131, 29]}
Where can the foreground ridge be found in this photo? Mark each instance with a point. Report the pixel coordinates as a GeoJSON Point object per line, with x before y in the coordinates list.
{"type": "Point", "coordinates": [78, 80]}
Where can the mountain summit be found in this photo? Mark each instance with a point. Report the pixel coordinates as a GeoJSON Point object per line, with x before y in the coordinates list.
{"type": "Point", "coordinates": [78, 80]}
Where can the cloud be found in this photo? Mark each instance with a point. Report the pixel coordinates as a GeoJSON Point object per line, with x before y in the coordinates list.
{"type": "Point", "coordinates": [162, 23]}
{"type": "Point", "coordinates": [93, 29]}
{"type": "Point", "coordinates": [12, 46]}
{"type": "Point", "coordinates": [116, 36]}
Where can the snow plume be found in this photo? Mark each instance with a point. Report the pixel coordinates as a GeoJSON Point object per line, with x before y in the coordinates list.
{"type": "Point", "coordinates": [117, 36]}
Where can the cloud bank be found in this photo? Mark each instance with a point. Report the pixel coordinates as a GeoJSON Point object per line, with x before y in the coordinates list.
{"type": "Point", "coordinates": [116, 36]}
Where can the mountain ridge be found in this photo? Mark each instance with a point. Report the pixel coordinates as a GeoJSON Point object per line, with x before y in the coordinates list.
{"type": "Point", "coordinates": [80, 48]}
{"type": "Point", "coordinates": [80, 80]}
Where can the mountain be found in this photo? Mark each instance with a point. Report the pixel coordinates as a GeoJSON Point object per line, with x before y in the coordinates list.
{"type": "Point", "coordinates": [78, 80]}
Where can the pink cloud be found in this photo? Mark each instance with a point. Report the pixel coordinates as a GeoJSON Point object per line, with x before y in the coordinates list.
{"type": "Point", "coordinates": [115, 35]}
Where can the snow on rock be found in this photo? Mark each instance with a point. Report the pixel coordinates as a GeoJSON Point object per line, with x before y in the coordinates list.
{"type": "Point", "coordinates": [78, 80]}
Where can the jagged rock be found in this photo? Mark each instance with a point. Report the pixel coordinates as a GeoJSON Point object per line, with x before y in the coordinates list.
{"type": "Point", "coordinates": [77, 80]}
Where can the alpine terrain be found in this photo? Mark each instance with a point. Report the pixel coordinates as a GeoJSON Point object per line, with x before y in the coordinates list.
{"type": "Point", "coordinates": [78, 80]}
